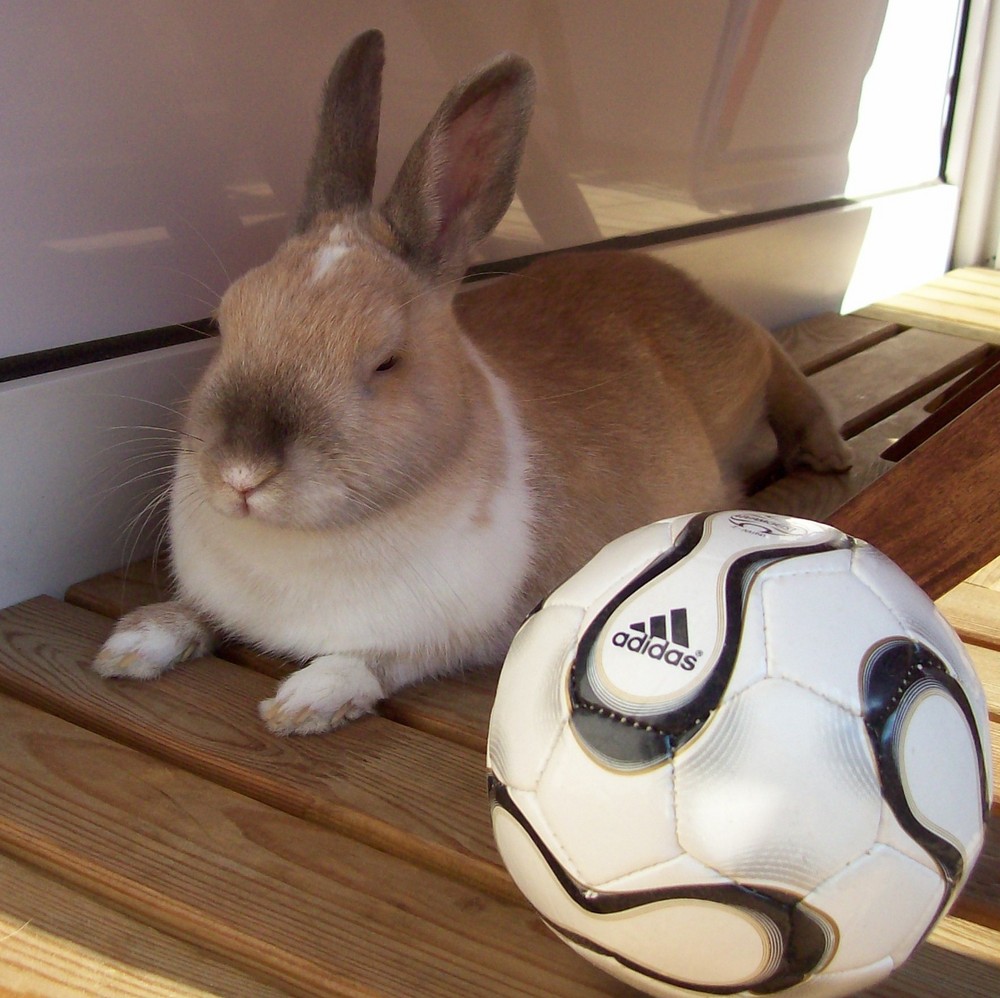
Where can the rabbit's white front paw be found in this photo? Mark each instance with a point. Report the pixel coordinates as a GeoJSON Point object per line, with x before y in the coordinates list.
{"type": "Point", "coordinates": [330, 690]}
{"type": "Point", "coordinates": [152, 639]}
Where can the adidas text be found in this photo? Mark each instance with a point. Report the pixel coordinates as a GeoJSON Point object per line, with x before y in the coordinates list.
{"type": "Point", "coordinates": [644, 644]}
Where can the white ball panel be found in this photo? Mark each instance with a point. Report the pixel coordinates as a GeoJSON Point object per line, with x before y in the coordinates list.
{"type": "Point", "coordinates": [679, 871]}
{"type": "Point", "coordinates": [534, 878]}
{"type": "Point", "coordinates": [702, 942]}
{"type": "Point", "coordinates": [820, 623]}
{"type": "Point", "coordinates": [892, 834]}
{"type": "Point", "coordinates": [612, 567]}
{"type": "Point", "coordinates": [922, 620]}
{"type": "Point", "coordinates": [939, 769]}
{"type": "Point", "coordinates": [678, 939]}
{"type": "Point", "coordinates": [882, 903]}
{"type": "Point", "coordinates": [608, 821]}
{"type": "Point", "coordinates": [639, 981]}
{"type": "Point", "coordinates": [749, 529]}
{"type": "Point", "coordinates": [530, 709]}
{"type": "Point", "coordinates": [778, 789]}
{"type": "Point", "coordinates": [911, 605]}
{"type": "Point", "coordinates": [834, 562]}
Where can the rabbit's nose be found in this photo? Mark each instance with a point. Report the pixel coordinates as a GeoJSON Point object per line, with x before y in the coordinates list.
{"type": "Point", "coordinates": [245, 479]}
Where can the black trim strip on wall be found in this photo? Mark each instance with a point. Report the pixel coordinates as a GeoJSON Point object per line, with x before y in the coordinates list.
{"type": "Point", "coordinates": [77, 354]}
{"type": "Point", "coordinates": [26, 365]}
{"type": "Point", "coordinates": [958, 57]}
{"type": "Point", "coordinates": [661, 237]}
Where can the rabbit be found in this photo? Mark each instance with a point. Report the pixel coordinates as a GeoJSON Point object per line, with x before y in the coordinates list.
{"type": "Point", "coordinates": [380, 478]}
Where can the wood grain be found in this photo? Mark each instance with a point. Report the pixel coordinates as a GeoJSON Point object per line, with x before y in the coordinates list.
{"type": "Point", "coordinates": [62, 943]}
{"type": "Point", "coordinates": [872, 385]}
{"type": "Point", "coordinates": [814, 496]}
{"type": "Point", "coordinates": [987, 663]}
{"type": "Point", "coordinates": [974, 612]}
{"type": "Point", "coordinates": [380, 782]}
{"type": "Point", "coordinates": [964, 302]}
{"type": "Point", "coordinates": [979, 901]}
{"type": "Point", "coordinates": [114, 594]}
{"type": "Point", "coordinates": [827, 338]}
{"type": "Point", "coordinates": [935, 513]}
{"type": "Point", "coordinates": [313, 911]}
{"type": "Point", "coordinates": [959, 960]}
{"type": "Point", "coordinates": [456, 709]}
{"type": "Point", "coordinates": [987, 576]}
{"type": "Point", "coordinates": [963, 392]}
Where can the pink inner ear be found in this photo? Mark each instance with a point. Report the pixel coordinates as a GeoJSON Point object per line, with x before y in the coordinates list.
{"type": "Point", "coordinates": [470, 154]}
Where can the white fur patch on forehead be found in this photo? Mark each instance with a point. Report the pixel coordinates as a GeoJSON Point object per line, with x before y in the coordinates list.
{"type": "Point", "coordinates": [330, 254]}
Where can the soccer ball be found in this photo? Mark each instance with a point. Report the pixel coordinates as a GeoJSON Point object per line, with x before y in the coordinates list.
{"type": "Point", "coordinates": [739, 753]}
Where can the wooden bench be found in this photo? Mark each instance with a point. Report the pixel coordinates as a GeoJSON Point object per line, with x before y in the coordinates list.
{"type": "Point", "coordinates": [155, 839]}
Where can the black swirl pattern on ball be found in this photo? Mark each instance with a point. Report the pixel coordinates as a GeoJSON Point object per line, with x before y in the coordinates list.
{"type": "Point", "coordinates": [894, 674]}
{"type": "Point", "coordinates": [631, 742]}
{"type": "Point", "coordinates": [806, 939]}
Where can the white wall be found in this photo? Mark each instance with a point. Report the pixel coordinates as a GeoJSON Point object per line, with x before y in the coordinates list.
{"type": "Point", "coordinates": [151, 150]}
{"type": "Point", "coordinates": [84, 452]}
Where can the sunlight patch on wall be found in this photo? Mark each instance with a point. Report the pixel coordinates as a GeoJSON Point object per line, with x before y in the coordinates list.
{"type": "Point", "coordinates": [104, 241]}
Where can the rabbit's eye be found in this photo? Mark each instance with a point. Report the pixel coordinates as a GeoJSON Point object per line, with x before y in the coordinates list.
{"type": "Point", "coordinates": [388, 364]}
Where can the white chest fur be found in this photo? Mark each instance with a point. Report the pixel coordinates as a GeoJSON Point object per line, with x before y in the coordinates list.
{"type": "Point", "coordinates": [436, 584]}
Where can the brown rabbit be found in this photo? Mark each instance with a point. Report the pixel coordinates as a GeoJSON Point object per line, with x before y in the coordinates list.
{"type": "Point", "coordinates": [382, 479]}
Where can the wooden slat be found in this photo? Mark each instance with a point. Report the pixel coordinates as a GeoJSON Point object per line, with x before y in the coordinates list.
{"type": "Point", "coordinates": [959, 960]}
{"type": "Point", "coordinates": [456, 709]}
{"type": "Point", "coordinates": [825, 339]}
{"type": "Point", "coordinates": [988, 575]}
{"type": "Point", "coordinates": [386, 784]}
{"type": "Point", "coordinates": [979, 901]}
{"type": "Point", "coordinates": [982, 372]}
{"type": "Point", "coordinates": [987, 663]}
{"type": "Point", "coordinates": [60, 943]}
{"type": "Point", "coordinates": [814, 496]}
{"type": "Point", "coordinates": [115, 593]}
{"type": "Point", "coordinates": [871, 385]}
{"type": "Point", "coordinates": [974, 612]}
{"type": "Point", "coordinates": [935, 513]}
{"type": "Point", "coordinates": [314, 911]}
{"type": "Point", "coordinates": [964, 303]}
{"type": "Point", "coordinates": [971, 387]}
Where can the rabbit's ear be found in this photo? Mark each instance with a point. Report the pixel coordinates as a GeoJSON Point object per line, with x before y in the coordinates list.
{"type": "Point", "coordinates": [342, 171]}
{"type": "Point", "coordinates": [458, 179]}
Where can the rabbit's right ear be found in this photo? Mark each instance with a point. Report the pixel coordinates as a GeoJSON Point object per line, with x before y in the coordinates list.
{"type": "Point", "coordinates": [459, 177]}
{"type": "Point", "coordinates": [342, 171]}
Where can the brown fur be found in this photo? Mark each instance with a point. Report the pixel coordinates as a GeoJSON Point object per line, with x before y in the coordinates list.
{"type": "Point", "coordinates": [640, 391]}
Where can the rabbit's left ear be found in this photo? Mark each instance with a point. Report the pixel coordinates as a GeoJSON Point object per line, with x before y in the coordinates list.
{"type": "Point", "coordinates": [459, 177]}
{"type": "Point", "coordinates": [342, 171]}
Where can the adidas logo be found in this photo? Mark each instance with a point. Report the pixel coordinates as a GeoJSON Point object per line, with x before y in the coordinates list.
{"type": "Point", "coordinates": [656, 639]}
